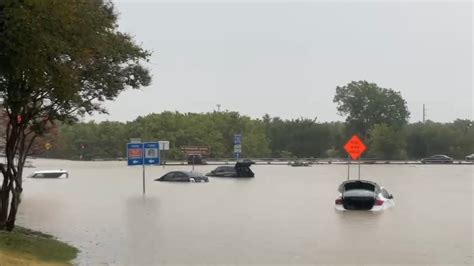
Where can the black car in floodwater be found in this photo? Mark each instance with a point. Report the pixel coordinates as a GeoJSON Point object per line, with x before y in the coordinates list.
{"type": "Point", "coordinates": [183, 176]}
{"type": "Point", "coordinates": [241, 169]}
{"type": "Point", "coordinates": [196, 159]}
{"type": "Point", "coordinates": [439, 158]}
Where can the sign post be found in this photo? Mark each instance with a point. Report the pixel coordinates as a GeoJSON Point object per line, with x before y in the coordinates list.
{"type": "Point", "coordinates": [143, 154]}
{"type": "Point", "coordinates": [348, 167]}
{"type": "Point", "coordinates": [164, 146]}
{"type": "Point", "coordinates": [354, 147]}
{"type": "Point", "coordinates": [237, 146]}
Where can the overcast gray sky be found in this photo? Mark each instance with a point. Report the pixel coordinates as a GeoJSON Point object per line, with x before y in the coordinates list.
{"type": "Point", "coordinates": [286, 58]}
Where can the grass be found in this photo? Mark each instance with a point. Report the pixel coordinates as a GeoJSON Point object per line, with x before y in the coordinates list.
{"type": "Point", "coordinates": [27, 247]}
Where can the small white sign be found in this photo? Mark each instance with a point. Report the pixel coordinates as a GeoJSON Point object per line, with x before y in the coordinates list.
{"type": "Point", "coordinates": [237, 148]}
{"type": "Point", "coordinates": [151, 153]}
{"type": "Point", "coordinates": [164, 145]}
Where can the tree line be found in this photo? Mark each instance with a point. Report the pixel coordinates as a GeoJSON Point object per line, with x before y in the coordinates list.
{"type": "Point", "coordinates": [266, 137]}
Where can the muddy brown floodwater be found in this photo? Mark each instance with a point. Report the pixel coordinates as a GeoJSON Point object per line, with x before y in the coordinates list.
{"type": "Point", "coordinates": [285, 215]}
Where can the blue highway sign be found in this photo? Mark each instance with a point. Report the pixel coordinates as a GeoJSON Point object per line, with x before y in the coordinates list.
{"type": "Point", "coordinates": [151, 153]}
{"type": "Point", "coordinates": [134, 154]}
{"type": "Point", "coordinates": [237, 139]}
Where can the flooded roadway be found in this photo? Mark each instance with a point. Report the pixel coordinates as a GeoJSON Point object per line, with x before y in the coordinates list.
{"type": "Point", "coordinates": [283, 216]}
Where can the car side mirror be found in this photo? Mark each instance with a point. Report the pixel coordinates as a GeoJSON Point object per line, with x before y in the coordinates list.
{"type": "Point", "coordinates": [390, 196]}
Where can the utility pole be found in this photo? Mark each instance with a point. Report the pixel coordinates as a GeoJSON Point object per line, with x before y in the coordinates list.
{"type": "Point", "coordinates": [424, 113]}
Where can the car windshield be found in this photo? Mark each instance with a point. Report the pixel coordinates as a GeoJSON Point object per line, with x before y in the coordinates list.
{"type": "Point", "coordinates": [48, 175]}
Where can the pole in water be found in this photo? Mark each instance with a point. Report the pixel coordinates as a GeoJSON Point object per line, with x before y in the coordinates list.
{"type": "Point", "coordinates": [359, 168]}
{"type": "Point", "coordinates": [348, 166]}
{"type": "Point", "coordinates": [143, 179]}
{"type": "Point", "coordinates": [163, 161]}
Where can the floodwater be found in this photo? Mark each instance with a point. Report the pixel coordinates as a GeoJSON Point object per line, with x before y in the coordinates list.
{"type": "Point", "coordinates": [285, 215]}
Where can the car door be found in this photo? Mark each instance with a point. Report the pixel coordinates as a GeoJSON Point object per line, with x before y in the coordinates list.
{"type": "Point", "coordinates": [168, 177]}
{"type": "Point", "coordinates": [227, 171]}
{"type": "Point", "coordinates": [180, 177]}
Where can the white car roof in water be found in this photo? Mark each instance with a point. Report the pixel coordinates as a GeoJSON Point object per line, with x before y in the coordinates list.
{"type": "Point", "coordinates": [61, 171]}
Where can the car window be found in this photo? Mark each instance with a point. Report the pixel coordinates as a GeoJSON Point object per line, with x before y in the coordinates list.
{"type": "Point", "coordinates": [53, 175]}
{"type": "Point", "coordinates": [385, 193]}
{"type": "Point", "coordinates": [179, 176]}
{"type": "Point", "coordinates": [359, 193]}
{"type": "Point", "coordinates": [168, 176]}
{"type": "Point", "coordinates": [224, 169]}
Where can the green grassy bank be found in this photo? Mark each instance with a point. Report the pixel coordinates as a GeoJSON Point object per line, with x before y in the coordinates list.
{"type": "Point", "coordinates": [27, 247]}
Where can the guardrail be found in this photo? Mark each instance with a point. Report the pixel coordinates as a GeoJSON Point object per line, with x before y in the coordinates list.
{"type": "Point", "coordinates": [287, 161]}
{"type": "Point", "coordinates": [318, 162]}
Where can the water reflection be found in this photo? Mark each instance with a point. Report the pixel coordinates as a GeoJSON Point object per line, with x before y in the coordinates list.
{"type": "Point", "coordinates": [143, 230]}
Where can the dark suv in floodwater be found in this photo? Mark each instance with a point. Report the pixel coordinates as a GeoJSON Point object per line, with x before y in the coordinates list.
{"type": "Point", "coordinates": [241, 169]}
{"type": "Point", "coordinates": [196, 159]}
{"type": "Point", "coordinates": [439, 158]}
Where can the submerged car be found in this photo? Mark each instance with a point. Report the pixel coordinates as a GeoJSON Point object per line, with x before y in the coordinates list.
{"type": "Point", "coordinates": [470, 157]}
{"type": "Point", "coordinates": [363, 195]}
{"type": "Point", "coordinates": [183, 176]}
{"type": "Point", "coordinates": [439, 158]}
{"type": "Point", "coordinates": [299, 164]}
{"type": "Point", "coordinates": [50, 174]}
{"type": "Point", "coordinates": [196, 159]}
{"type": "Point", "coordinates": [241, 169]}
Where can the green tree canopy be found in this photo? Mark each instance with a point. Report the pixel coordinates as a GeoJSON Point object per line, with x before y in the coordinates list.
{"type": "Point", "coordinates": [386, 143]}
{"type": "Point", "coordinates": [58, 60]}
{"type": "Point", "coordinates": [366, 104]}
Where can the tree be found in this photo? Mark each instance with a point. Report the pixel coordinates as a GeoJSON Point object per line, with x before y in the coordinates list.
{"type": "Point", "coordinates": [58, 60]}
{"type": "Point", "coordinates": [365, 105]}
{"type": "Point", "coordinates": [454, 139]}
{"type": "Point", "coordinates": [386, 143]}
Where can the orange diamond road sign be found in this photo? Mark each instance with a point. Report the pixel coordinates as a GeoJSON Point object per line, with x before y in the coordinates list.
{"type": "Point", "coordinates": [354, 147]}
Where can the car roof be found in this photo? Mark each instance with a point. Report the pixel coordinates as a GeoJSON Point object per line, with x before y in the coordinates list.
{"type": "Point", "coordinates": [243, 164]}
{"type": "Point", "coordinates": [51, 172]}
{"type": "Point", "coordinates": [225, 167]}
{"type": "Point", "coordinates": [187, 173]}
